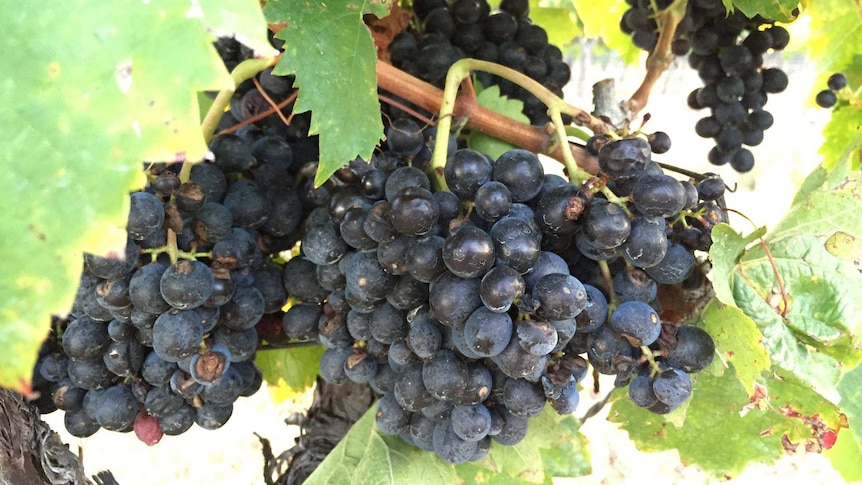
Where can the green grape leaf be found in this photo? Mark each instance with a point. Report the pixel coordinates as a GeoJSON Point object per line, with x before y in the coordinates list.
{"type": "Point", "coordinates": [830, 202]}
{"type": "Point", "coordinates": [813, 420]}
{"type": "Point", "coordinates": [837, 25]}
{"type": "Point", "coordinates": [727, 247]}
{"type": "Point", "coordinates": [558, 18]}
{"type": "Point", "coordinates": [780, 10]}
{"type": "Point", "coordinates": [241, 19]}
{"type": "Point", "coordinates": [783, 414]}
{"type": "Point", "coordinates": [820, 332]}
{"type": "Point", "coordinates": [492, 99]}
{"type": "Point", "coordinates": [737, 342]}
{"type": "Point", "coordinates": [843, 135]}
{"type": "Point", "coordinates": [713, 422]}
{"type": "Point", "coordinates": [365, 455]}
{"type": "Point", "coordinates": [844, 457]}
{"type": "Point", "coordinates": [83, 108]}
{"type": "Point", "coordinates": [604, 22]}
{"type": "Point", "coordinates": [850, 390]}
{"type": "Point", "coordinates": [290, 371]}
{"type": "Point", "coordinates": [329, 49]}
{"type": "Point", "coordinates": [552, 447]}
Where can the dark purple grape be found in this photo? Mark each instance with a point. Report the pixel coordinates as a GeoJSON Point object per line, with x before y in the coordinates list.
{"type": "Point", "coordinates": [536, 337]}
{"type": "Point", "coordinates": [826, 99]}
{"type": "Point", "coordinates": [672, 387]}
{"type": "Point", "coordinates": [837, 81]}
{"type": "Point", "coordinates": [211, 416]}
{"type": "Point", "coordinates": [388, 324]}
{"type": "Point", "coordinates": [424, 336]}
{"type": "Point", "coordinates": [390, 417]}
{"type": "Point", "coordinates": [560, 296]}
{"type": "Point", "coordinates": [300, 321]}
{"type": "Point", "coordinates": [501, 287]}
{"type": "Point", "coordinates": [658, 195]}
{"type": "Point", "coordinates": [607, 226]}
{"type": "Point", "coordinates": [693, 351]}
{"type": "Point", "coordinates": [468, 252]}
{"type": "Point", "coordinates": [624, 158]}
{"type": "Point", "coordinates": [560, 210]}
{"type": "Point", "coordinates": [444, 375]}
{"type": "Point", "coordinates": [493, 201]}
{"type": "Point", "coordinates": [146, 215]}
{"type": "Point", "coordinates": [404, 136]}
{"type": "Point", "coordinates": [487, 333]}
{"type": "Point", "coordinates": [641, 393]}
{"type": "Point", "coordinates": [116, 408]}
{"type": "Point", "coordinates": [177, 334]}
{"type": "Point", "coordinates": [647, 243]}
{"type": "Point", "coordinates": [471, 423]}
{"type": "Point", "coordinates": [186, 284]}
{"type": "Point", "coordinates": [360, 367]}
{"type": "Point", "coordinates": [414, 211]}
{"type": "Point", "coordinates": [677, 264]}
{"type": "Point", "coordinates": [520, 171]}
{"type": "Point", "coordinates": [514, 429]}
{"type": "Point", "coordinates": [85, 339]}
{"type": "Point", "coordinates": [449, 446]}
{"type": "Point", "coordinates": [523, 398]}
{"type": "Point", "coordinates": [637, 322]}
{"type": "Point", "coordinates": [465, 172]}
{"type": "Point", "coordinates": [515, 362]}
{"type": "Point", "coordinates": [606, 349]}
{"type": "Point", "coordinates": [410, 391]}
{"type": "Point", "coordinates": [424, 260]}
{"type": "Point", "coordinates": [633, 284]}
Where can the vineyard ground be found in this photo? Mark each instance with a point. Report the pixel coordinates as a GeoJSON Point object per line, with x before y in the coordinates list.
{"type": "Point", "coordinates": [233, 453]}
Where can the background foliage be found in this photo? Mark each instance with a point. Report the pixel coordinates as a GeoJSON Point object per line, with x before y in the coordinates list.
{"type": "Point", "coordinates": [116, 84]}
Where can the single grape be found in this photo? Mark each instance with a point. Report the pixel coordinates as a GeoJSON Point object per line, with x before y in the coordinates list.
{"type": "Point", "coordinates": [641, 393]}
{"type": "Point", "coordinates": [837, 81]}
{"type": "Point", "coordinates": [488, 333]}
{"type": "Point", "coordinates": [672, 387]}
{"type": "Point", "coordinates": [693, 351]}
{"type": "Point", "coordinates": [637, 322]}
{"type": "Point", "coordinates": [826, 99]}
{"type": "Point", "coordinates": [560, 296]}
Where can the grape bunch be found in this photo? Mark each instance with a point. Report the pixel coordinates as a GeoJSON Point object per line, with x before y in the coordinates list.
{"type": "Point", "coordinates": [468, 309]}
{"type": "Point", "coordinates": [164, 336]}
{"type": "Point", "coordinates": [468, 28]}
{"type": "Point", "coordinates": [727, 51]}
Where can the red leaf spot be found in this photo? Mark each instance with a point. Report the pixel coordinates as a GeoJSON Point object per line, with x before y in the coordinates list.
{"type": "Point", "coordinates": [828, 439]}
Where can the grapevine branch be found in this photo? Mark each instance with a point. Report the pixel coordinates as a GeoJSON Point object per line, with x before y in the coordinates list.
{"type": "Point", "coordinates": [660, 58]}
{"type": "Point", "coordinates": [430, 98]}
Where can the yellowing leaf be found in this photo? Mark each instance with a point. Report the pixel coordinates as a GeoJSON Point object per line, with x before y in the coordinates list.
{"type": "Point", "coordinates": [87, 95]}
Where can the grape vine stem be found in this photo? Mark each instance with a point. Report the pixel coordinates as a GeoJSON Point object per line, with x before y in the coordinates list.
{"type": "Point", "coordinates": [661, 56]}
{"type": "Point", "coordinates": [430, 98]}
{"type": "Point", "coordinates": [460, 71]}
{"type": "Point", "coordinates": [245, 70]}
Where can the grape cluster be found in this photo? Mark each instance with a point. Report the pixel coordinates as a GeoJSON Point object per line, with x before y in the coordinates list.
{"type": "Point", "coordinates": [164, 335]}
{"type": "Point", "coordinates": [828, 97]}
{"type": "Point", "coordinates": [727, 51]}
{"type": "Point", "coordinates": [468, 28]}
{"type": "Point", "coordinates": [468, 309]}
